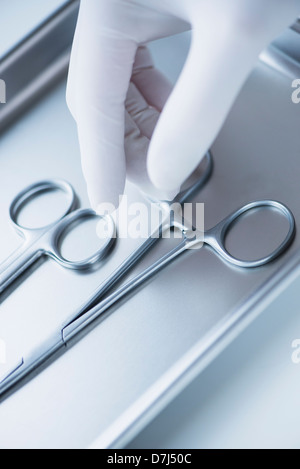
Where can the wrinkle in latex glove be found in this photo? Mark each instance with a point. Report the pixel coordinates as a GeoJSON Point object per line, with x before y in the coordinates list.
{"type": "Point", "coordinates": [130, 121]}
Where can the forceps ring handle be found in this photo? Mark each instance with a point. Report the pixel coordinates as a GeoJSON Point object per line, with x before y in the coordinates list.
{"type": "Point", "coordinates": [34, 190]}
{"type": "Point", "coordinates": [216, 237]}
{"type": "Point", "coordinates": [28, 253]}
{"type": "Point", "coordinates": [66, 224]}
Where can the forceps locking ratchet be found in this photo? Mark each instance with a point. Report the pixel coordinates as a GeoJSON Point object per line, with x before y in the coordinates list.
{"type": "Point", "coordinates": [197, 180]}
{"type": "Point", "coordinates": [193, 185]}
{"type": "Point", "coordinates": [45, 241]}
{"type": "Point", "coordinates": [215, 238]}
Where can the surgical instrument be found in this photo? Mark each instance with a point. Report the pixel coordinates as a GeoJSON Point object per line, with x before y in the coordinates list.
{"type": "Point", "coordinates": [215, 238]}
{"type": "Point", "coordinates": [45, 241]}
{"type": "Point", "coordinates": [197, 180]}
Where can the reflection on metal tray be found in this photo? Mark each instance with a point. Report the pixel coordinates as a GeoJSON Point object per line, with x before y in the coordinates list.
{"type": "Point", "coordinates": [123, 372]}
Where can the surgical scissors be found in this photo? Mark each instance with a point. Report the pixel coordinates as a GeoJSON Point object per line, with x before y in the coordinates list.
{"type": "Point", "coordinates": [215, 238]}
{"type": "Point", "coordinates": [45, 241]}
{"type": "Point", "coordinates": [197, 180]}
{"type": "Point", "coordinates": [192, 186]}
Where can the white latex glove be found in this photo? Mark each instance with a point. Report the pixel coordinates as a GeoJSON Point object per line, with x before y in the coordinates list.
{"type": "Point", "coordinates": [108, 65]}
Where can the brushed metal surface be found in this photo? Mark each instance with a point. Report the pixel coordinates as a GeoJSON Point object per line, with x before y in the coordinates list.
{"type": "Point", "coordinates": [116, 378]}
{"type": "Point", "coordinates": [39, 56]}
{"type": "Point", "coordinates": [19, 18]}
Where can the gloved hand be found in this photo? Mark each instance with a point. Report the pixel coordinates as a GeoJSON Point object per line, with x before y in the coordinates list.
{"type": "Point", "coordinates": [114, 89]}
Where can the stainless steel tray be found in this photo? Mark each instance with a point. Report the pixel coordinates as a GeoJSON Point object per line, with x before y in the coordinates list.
{"type": "Point", "coordinates": [120, 375]}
